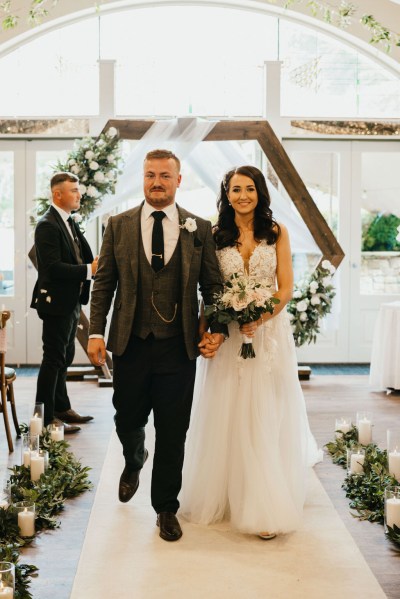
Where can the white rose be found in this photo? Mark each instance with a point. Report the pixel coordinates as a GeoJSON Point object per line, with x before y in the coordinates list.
{"type": "Point", "coordinates": [326, 264]}
{"type": "Point", "coordinates": [326, 280]}
{"type": "Point", "coordinates": [99, 177]}
{"type": "Point", "coordinates": [93, 165]}
{"type": "Point", "coordinates": [111, 158]}
{"type": "Point", "coordinates": [297, 294]}
{"type": "Point", "coordinates": [77, 217]}
{"type": "Point", "coordinates": [291, 317]}
{"type": "Point", "coordinates": [89, 155]}
{"type": "Point", "coordinates": [238, 304]}
{"type": "Point", "coordinates": [301, 306]}
{"type": "Point", "coordinates": [190, 225]}
{"type": "Point", "coordinates": [71, 162]}
{"type": "Point", "coordinates": [332, 269]}
{"type": "Point", "coordinates": [100, 143]}
{"type": "Point", "coordinates": [92, 191]}
{"type": "Point", "coordinates": [313, 287]}
{"type": "Point", "coordinates": [75, 169]}
{"type": "Point", "coordinates": [84, 178]}
{"type": "Point", "coordinates": [303, 317]}
{"type": "Point", "coordinates": [82, 188]}
{"type": "Point", "coordinates": [110, 175]}
{"type": "Point", "coordinates": [111, 132]}
{"type": "Point", "coordinates": [315, 300]}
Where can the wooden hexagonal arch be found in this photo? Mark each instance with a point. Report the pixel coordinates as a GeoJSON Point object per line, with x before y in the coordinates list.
{"type": "Point", "coordinates": [262, 132]}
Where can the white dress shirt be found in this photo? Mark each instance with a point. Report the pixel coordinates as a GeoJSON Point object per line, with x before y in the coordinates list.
{"type": "Point", "coordinates": [65, 216]}
{"type": "Point", "coordinates": [170, 226]}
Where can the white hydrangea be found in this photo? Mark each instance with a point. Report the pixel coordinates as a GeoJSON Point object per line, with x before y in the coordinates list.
{"type": "Point", "coordinates": [315, 300]}
{"type": "Point", "coordinates": [82, 188]}
{"type": "Point", "coordinates": [92, 191]}
{"type": "Point", "coordinates": [100, 143]}
{"type": "Point", "coordinates": [93, 165]}
{"type": "Point", "coordinates": [303, 317]}
{"type": "Point", "coordinates": [99, 177]}
{"type": "Point", "coordinates": [301, 306]}
{"type": "Point", "coordinates": [297, 294]}
{"type": "Point", "coordinates": [313, 287]}
{"type": "Point", "coordinates": [89, 155]}
{"type": "Point", "coordinates": [111, 158]}
{"type": "Point", "coordinates": [75, 169]}
{"type": "Point", "coordinates": [71, 162]}
{"type": "Point", "coordinates": [328, 266]}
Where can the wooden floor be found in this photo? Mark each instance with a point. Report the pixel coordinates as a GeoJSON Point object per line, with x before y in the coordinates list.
{"type": "Point", "coordinates": [57, 553]}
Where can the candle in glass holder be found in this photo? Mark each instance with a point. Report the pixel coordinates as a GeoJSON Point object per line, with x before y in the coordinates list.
{"type": "Point", "coordinates": [356, 463]}
{"type": "Point", "coordinates": [36, 425]}
{"type": "Point", "coordinates": [342, 425]}
{"type": "Point", "coordinates": [57, 433]}
{"type": "Point", "coordinates": [37, 466]}
{"type": "Point", "coordinates": [26, 522]}
{"type": "Point", "coordinates": [6, 592]}
{"type": "Point", "coordinates": [7, 580]}
{"type": "Point", "coordinates": [394, 463]}
{"type": "Point", "coordinates": [364, 427]}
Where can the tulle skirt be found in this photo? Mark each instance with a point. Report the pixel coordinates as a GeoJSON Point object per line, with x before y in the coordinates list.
{"type": "Point", "coordinates": [249, 442]}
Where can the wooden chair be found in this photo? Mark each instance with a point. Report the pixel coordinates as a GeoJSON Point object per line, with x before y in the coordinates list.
{"type": "Point", "coordinates": [7, 377]}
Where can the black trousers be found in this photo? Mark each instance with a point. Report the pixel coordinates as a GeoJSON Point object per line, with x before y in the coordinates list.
{"type": "Point", "coordinates": [58, 336]}
{"type": "Point", "coordinates": [155, 374]}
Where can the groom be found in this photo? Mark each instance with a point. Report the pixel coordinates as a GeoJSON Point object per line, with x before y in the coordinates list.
{"type": "Point", "coordinates": [155, 256]}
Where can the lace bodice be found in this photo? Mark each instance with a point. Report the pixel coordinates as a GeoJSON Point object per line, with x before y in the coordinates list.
{"type": "Point", "coordinates": [262, 262]}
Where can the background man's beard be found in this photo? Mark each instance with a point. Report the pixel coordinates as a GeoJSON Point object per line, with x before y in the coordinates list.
{"type": "Point", "coordinates": [160, 202]}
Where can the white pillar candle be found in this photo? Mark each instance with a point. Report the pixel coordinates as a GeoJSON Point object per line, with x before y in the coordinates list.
{"type": "Point", "coordinates": [57, 433]}
{"type": "Point", "coordinates": [364, 431]}
{"type": "Point", "coordinates": [26, 523]}
{"type": "Point", "coordinates": [27, 458]}
{"type": "Point", "coordinates": [6, 592]}
{"type": "Point", "coordinates": [394, 464]}
{"type": "Point", "coordinates": [342, 425]}
{"type": "Point", "coordinates": [393, 512]}
{"type": "Point", "coordinates": [356, 463]}
{"type": "Point", "coordinates": [37, 466]}
{"type": "Point", "coordinates": [36, 425]}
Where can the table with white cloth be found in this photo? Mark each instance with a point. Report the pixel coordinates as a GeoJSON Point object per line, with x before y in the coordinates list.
{"type": "Point", "coordinates": [385, 358]}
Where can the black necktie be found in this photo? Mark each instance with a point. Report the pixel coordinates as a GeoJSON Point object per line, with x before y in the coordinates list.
{"type": "Point", "coordinates": [157, 241]}
{"type": "Point", "coordinates": [71, 223]}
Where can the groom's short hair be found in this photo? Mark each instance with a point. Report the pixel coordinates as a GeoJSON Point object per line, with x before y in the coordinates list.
{"type": "Point", "coordinates": [160, 154]}
{"type": "Point", "coordinates": [61, 177]}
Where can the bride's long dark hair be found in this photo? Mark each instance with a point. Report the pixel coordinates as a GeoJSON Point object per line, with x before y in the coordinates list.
{"type": "Point", "coordinates": [226, 232]}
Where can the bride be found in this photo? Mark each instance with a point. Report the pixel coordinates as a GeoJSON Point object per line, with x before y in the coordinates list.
{"type": "Point", "coordinates": [249, 444]}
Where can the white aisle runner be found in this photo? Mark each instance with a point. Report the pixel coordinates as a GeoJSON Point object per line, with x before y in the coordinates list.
{"type": "Point", "coordinates": [124, 558]}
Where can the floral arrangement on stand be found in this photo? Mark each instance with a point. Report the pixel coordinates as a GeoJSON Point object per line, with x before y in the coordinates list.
{"type": "Point", "coordinates": [64, 478]}
{"type": "Point", "coordinates": [97, 164]}
{"type": "Point", "coordinates": [312, 300]}
{"type": "Point", "coordinates": [365, 491]}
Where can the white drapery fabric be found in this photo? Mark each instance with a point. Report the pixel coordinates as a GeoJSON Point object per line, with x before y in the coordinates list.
{"type": "Point", "coordinates": [210, 161]}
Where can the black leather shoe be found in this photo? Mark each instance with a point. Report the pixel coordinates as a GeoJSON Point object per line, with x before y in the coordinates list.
{"type": "Point", "coordinates": [129, 482]}
{"type": "Point", "coordinates": [170, 529]}
{"type": "Point", "coordinates": [69, 429]}
{"type": "Point", "coordinates": [71, 416]}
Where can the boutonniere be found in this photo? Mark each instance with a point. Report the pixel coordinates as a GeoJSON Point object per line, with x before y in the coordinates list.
{"type": "Point", "coordinates": [189, 224]}
{"type": "Point", "coordinates": [76, 217]}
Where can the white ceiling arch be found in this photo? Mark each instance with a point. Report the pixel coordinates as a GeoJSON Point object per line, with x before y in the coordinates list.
{"type": "Point", "coordinates": [67, 12]}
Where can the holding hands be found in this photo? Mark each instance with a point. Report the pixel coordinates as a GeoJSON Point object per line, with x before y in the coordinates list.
{"type": "Point", "coordinates": [210, 344]}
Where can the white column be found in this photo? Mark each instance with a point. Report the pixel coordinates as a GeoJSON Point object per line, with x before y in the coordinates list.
{"type": "Point", "coordinates": [272, 97]}
{"type": "Point", "coordinates": [106, 96]}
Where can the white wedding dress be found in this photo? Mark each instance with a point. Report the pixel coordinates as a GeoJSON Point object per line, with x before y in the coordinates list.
{"type": "Point", "coordinates": [249, 442]}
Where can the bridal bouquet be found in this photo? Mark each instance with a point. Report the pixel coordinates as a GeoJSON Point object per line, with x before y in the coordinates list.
{"type": "Point", "coordinates": [243, 300]}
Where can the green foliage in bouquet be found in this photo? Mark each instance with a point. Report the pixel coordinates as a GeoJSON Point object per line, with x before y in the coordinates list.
{"type": "Point", "coordinates": [312, 300]}
{"type": "Point", "coordinates": [380, 235]}
{"type": "Point", "coordinates": [97, 164]}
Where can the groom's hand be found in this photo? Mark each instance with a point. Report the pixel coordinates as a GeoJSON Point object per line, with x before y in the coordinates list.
{"type": "Point", "coordinates": [210, 343]}
{"type": "Point", "coordinates": [97, 351]}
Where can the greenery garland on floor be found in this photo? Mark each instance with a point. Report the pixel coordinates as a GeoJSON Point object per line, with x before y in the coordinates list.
{"type": "Point", "coordinates": [64, 478]}
{"type": "Point", "coordinates": [366, 491]}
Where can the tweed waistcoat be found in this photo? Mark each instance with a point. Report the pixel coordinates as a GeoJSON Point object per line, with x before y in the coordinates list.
{"type": "Point", "coordinates": [158, 298]}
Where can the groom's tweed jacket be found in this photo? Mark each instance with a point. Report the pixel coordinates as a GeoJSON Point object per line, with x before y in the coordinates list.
{"type": "Point", "coordinates": [119, 271]}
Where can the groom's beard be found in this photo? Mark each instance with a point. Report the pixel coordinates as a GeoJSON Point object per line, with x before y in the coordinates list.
{"type": "Point", "coordinates": [158, 198]}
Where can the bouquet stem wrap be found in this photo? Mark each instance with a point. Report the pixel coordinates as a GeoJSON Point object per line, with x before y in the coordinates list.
{"type": "Point", "coordinates": [247, 349]}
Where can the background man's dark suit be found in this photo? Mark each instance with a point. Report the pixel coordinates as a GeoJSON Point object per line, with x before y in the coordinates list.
{"type": "Point", "coordinates": [61, 288]}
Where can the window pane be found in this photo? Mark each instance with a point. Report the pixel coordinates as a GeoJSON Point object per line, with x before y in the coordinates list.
{"type": "Point", "coordinates": [57, 74]}
{"type": "Point", "coordinates": [380, 217]}
{"type": "Point", "coordinates": [7, 250]}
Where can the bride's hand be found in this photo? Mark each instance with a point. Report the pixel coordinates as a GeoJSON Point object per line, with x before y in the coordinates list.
{"type": "Point", "coordinates": [210, 343]}
{"type": "Point", "coordinates": [249, 329]}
